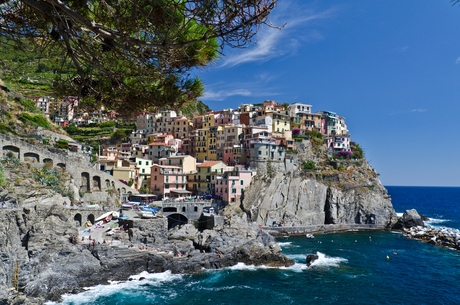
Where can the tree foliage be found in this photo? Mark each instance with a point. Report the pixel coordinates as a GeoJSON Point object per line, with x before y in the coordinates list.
{"type": "Point", "coordinates": [130, 55]}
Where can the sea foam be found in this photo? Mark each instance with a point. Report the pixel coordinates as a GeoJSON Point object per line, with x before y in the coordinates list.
{"type": "Point", "coordinates": [92, 294]}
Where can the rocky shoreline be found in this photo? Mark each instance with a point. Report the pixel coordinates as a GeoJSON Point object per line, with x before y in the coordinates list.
{"type": "Point", "coordinates": [40, 262]}
{"type": "Point", "coordinates": [444, 237]}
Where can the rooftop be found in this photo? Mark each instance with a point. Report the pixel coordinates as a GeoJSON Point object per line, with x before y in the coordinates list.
{"type": "Point", "coordinates": [209, 163]}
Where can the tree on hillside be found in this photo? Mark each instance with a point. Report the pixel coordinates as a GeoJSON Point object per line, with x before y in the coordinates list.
{"type": "Point", "coordinates": [130, 55]}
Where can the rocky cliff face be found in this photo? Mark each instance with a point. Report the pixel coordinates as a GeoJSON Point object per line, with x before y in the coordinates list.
{"type": "Point", "coordinates": [347, 192]}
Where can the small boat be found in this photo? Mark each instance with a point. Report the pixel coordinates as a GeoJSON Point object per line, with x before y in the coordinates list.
{"type": "Point", "coordinates": [147, 214]}
{"type": "Point", "coordinates": [309, 235]}
{"type": "Point", "coordinates": [123, 217]}
{"type": "Point", "coordinates": [127, 205]}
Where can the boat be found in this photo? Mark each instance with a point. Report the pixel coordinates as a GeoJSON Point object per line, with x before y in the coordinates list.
{"type": "Point", "coordinates": [127, 205]}
{"type": "Point", "coordinates": [309, 235]}
{"type": "Point", "coordinates": [147, 214]}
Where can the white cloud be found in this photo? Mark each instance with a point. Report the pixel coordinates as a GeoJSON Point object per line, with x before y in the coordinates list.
{"type": "Point", "coordinates": [410, 111]}
{"type": "Point", "coordinates": [273, 43]}
{"type": "Point", "coordinates": [400, 49]}
{"type": "Point", "coordinates": [418, 110]}
{"type": "Point", "coordinates": [223, 94]}
{"type": "Point", "coordinates": [457, 61]}
{"type": "Point", "coordinates": [219, 92]}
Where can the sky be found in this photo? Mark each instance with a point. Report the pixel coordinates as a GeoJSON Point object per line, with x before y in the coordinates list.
{"type": "Point", "coordinates": [390, 67]}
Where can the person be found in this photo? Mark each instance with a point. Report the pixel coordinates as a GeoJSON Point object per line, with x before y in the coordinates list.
{"type": "Point", "coordinates": [3, 203]}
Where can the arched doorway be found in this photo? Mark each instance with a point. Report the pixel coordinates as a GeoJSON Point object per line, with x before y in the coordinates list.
{"type": "Point", "coordinates": [31, 157]}
{"type": "Point", "coordinates": [77, 219]}
{"type": "Point", "coordinates": [176, 220]}
{"type": "Point", "coordinates": [48, 160]}
{"type": "Point", "coordinates": [91, 218]}
{"type": "Point", "coordinates": [10, 148]}
{"type": "Point", "coordinates": [85, 186]}
{"type": "Point", "coordinates": [96, 183]}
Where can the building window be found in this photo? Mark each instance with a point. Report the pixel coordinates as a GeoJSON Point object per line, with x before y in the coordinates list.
{"type": "Point", "coordinates": [166, 186]}
{"type": "Point", "coordinates": [233, 191]}
{"type": "Point", "coordinates": [140, 162]}
{"type": "Point", "coordinates": [154, 177]}
{"type": "Point", "coordinates": [143, 170]}
{"type": "Point", "coordinates": [241, 182]}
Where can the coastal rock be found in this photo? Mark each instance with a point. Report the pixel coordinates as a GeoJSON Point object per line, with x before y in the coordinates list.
{"type": "Point", "coordinates": [302, 202]}
{"type": "Point", "coordinates": [311, 258]}
{"type": "Point", "coordinates": [410, 218]}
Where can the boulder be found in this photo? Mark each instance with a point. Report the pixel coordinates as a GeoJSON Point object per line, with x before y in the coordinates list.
{"type": "Point", "coordinates": [311, 258]}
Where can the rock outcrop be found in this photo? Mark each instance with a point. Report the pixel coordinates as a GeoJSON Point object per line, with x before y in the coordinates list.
{"type": "Point", "coordinates": [299, 201]}
{"type": "Point", "coordinates": [410, 218]}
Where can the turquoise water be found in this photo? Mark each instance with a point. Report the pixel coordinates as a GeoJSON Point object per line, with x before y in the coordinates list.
{"type": "Point", "coordinates": [352, 268]}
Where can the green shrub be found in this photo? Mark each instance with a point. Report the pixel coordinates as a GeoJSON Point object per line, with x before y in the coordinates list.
{"type": "Point", "coordinates": [3, 180]}
{"type": "Point", "coordinates": [38, 119]}
{"type": "Point", "coordinates": [28, 105]}
{"type": "Point", "coordinates": [62, 144]}
{"type": "Point", "coordinates": [107, 124]}
{"type": "Point", "coordinates": [341, 168]}
{"type": "Point", "coordinates": [119, 134]}
{"type": "Point", "coordinates": [309, 165]}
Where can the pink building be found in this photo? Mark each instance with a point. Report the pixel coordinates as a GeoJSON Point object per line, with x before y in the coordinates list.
{"type": "Point", "coordinates": [164, 138]}
{"type": "Point", "coordinates": [168, 181]}
{"type": "Point", "coordinates": [232, 184]}
{"type": "Point", "coordinates": [339, 143]}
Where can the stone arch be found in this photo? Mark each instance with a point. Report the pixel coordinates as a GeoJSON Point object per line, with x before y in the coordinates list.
{"type": "Point", "coordinates": [130, 192]}
{"type": "Point", "coordinates": [96, 183]}
{"type": "Point", "coordinates": [91, 218]}
{"type": "Point", "coordinates": [107, 183]}
{"type": "Point", "coordinates": [123, 190]}
{"type": "Point", "coordinates": [176, 220]}
{"type": "Point", "coordinates": [118, 191]}
{"type": "Point", "coordinates": [169, 209]}
{"type": "Point", "coordinates": [85, 186]}
{"type": "Point", "coordinates": [183, 209]}
{"type": "Point", "coordinates": [77, 219]}
{"type": "Point", "coordinates": [61, 165]}
{"type": "Point", "coordinates": [48, 160]}
{"type": "Point", "coordinates": [30, 155]}
{"type": "Point", "coordinates": [113, 184]}
{"type": "Point", "coordinates": [15, 150]}
{"type": "Point", "coordinates": [195, 209]}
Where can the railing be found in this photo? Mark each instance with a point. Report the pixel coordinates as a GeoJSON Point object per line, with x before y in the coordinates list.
{"type": "Point", "coordinates": [263, 141]}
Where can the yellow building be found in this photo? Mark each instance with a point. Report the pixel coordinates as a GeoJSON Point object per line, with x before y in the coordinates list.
{"type": "Point", "coordinates": [201, 150]}
{"type": "Point", "coordinates": [281, 122]}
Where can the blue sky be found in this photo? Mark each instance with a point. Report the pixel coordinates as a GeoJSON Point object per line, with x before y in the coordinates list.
{"type": "Point", "coordinates": [390, 67]}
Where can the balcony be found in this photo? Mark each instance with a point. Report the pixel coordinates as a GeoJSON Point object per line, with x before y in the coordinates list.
{"type": "Point", "coordinates": [163, 172]}
{"type": "Point", "coordinates": [262, 141]}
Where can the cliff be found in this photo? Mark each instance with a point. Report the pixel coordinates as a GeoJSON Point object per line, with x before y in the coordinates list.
{"type": "Point", "coordinates": [334, 192]}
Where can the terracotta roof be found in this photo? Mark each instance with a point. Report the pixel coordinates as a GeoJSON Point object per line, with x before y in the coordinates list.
{"type": "Point", "coordinates": [208, 163]}
{"type": "Point", "coordinates": [158, 144]}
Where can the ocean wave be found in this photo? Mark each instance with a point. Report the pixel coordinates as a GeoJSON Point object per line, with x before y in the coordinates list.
{"type": "Point", "coordinates": [285, 244]}
{"type": "Point", "coordinates": [436, 220]}
{"type": "Point", "coordinates": [323, 261]}
{"type": "Point", "coordinates": [138, 282]}
{"type": "Point", "coordinates": [327, 261]}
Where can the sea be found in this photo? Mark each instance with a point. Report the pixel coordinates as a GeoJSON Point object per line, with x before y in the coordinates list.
{"type": "Point", "coordinates": [352, 268]}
